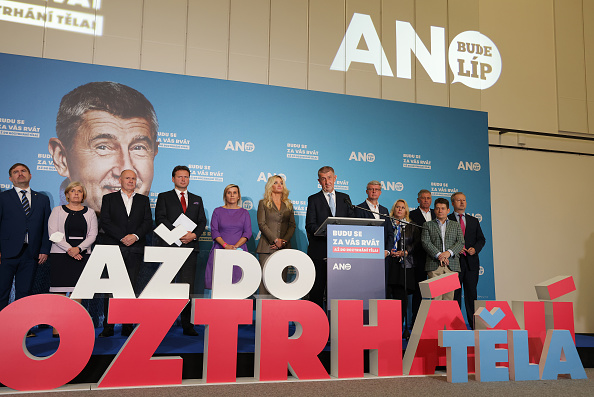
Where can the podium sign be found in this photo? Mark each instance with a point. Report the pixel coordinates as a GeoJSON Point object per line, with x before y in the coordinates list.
{"type": "Point", "coordinates": [355, 263]}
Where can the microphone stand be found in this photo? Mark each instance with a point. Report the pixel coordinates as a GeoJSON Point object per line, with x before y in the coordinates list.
{"type": "Point", "coordinates": [405, 333]}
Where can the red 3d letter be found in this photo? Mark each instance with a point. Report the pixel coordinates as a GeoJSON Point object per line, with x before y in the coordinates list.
{"type": "Point", "coordinates": [275, 350]}
{"type": "Point", "coordinates": [19, 369]}
{"type": "Point", "coordinates": [350, 338]}
{"type": "Point", "coordinates": [221, 316]}
{"type": "Point", "coordinates": [134, 365]}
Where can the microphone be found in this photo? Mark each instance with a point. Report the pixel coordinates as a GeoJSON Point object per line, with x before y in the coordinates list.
{"type": "Point", "coordinates": [348, 202]}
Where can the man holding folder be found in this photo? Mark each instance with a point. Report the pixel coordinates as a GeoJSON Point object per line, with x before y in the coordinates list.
{"type": "Point", "coordinates": [170, 207]}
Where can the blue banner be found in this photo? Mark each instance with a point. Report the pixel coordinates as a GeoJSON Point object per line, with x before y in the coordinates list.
{"type": "Point", "coordinates": [234, 132]}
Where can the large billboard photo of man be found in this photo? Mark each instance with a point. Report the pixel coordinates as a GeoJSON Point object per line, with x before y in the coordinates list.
{"type": "Point", "coordinates": [102, 129]}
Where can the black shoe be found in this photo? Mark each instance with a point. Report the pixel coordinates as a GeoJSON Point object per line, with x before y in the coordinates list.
{"type": "Point", "coordinates": [127, 329]}
{"type": "Point", "coordinates": [190, 331]}
{"type": "Point", "coordinates": [107, 332]}
{"type": "Point", "coordinates": [31, 334]}
{"type": "Point", "coordinates": [55, 335]}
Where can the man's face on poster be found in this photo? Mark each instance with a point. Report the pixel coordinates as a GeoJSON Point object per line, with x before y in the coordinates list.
{"type": "Point", "coordinates": [103, 147]}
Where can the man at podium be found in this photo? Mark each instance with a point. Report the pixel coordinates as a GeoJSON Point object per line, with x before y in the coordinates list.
{"type": "Point", "coordinates": [320, 206]}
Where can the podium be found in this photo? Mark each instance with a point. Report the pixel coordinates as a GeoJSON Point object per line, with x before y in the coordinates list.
{"type": "Point", "coordinates": [355, 259]}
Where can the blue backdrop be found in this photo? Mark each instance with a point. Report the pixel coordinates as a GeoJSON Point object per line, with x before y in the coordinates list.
{"type": "Point", "coordinates": [233, 132]}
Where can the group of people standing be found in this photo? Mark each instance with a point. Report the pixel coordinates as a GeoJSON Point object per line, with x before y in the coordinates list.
{"type": "Point", "coordinates": [439, 245]}
{"type": "Point", "coordinates": [424, 243]}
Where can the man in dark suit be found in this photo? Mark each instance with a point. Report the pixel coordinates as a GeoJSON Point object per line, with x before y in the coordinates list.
{"type": "Point", "coordinates": [374, 191]}
{"type": "Point", "coordinates": [125, 221]}
{"type": "Point", "coordinates": [474, 241]}
{"type": "Point", "coordinates": [442, 240]}
{"type": "Point", "coordinates": [23, 234]}
{"type": "Point", "coordinates": [320, 206]}
{"type": "Point", "coordinates": [170, 205]}
{"type": "Point", "coordinates": [419, 216]}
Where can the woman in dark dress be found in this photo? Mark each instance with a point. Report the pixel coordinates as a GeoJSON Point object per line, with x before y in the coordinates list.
{"type": "Point", "coordinates": [72, 230]}
{"type": "Point", "coordinates": [401, 275]}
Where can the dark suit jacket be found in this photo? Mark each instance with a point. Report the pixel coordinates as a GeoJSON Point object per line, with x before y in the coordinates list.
{"type": "Point", "coordinates": [116, 223]}
{"type": "Point", "coordinates": [417, 217]}
{"type": "Point", "coordinates": [388, 229]}
{"type": "Point", "coordinates": [14, 224]}
{"type": "Point", "coordinates": [432, 243]}
{"type": "Point", "coordinates": [317, 212]}
{"type": "Point", "coordinates": [473, 237]}
{"type": "Point", "coordinates": [169, 208]}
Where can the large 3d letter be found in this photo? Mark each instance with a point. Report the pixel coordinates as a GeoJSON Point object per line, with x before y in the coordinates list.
{"type": "Point", "coordinates": [222, 274]}
{"type": "Point", "coordinates": [275, 350]}
{"type": "Point", "coordinates": [222, 317]}
{"type": "Point", "coordinates": [273, 270]}
{"type": "Point", "coordinates": [134, 364]}
{"type": "Point", "coordinates": [160, 285]}
{"type": "Point", "coordinates": [423, 353]}
{"type": "Point", "coordinates": [19, 369]}
{"type": "Point", "coordinates": [456, 344]}
{"type": "Point", "coordinates": [350, 338]}
{"type": "Point", "coordinates": [559, 345]}
{"type": "Point", "coordinates": [90, 281]}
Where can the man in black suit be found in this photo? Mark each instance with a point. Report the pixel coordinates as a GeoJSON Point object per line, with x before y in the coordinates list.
{"type": "Point", "coordinates": [23, 234]}
{"type": "Point", "coordinates": [374, 191]}
{"type": "Point", "coordinates": [170, 205]}
{"type": "Point", "coordinates": [419, 216]}
{"type": "Point", "coordinates": [320, 206]}
{"type": "Point", "coordinates": [469, 259]}
{"type": "Point", "coordinates": [125, 221]}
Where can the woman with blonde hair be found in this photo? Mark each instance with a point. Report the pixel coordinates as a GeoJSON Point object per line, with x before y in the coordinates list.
{"type": "Point", "coordinates": [231, 228]}
{"type": "Point", "coordinates": [276, 221]}
{"type": "Point", "coordinates": [72, 228]}
{"type": "Point", "coordinates": [407, 239]}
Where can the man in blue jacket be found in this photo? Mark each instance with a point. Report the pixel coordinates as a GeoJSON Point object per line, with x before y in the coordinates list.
{"type": "Point", "coordinates": [24, 241]}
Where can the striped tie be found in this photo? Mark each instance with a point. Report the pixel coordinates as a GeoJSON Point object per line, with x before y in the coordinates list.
{"type": "Point", "coordinates": [25, 202]}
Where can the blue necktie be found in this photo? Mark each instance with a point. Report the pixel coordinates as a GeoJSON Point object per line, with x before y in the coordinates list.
{"type": "Point", "coordinates": [25, 203]}
{"type": "Point", "coordinates": [332, 204]}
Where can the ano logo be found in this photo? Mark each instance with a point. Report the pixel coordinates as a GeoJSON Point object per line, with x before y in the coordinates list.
{"type": "Point", "coordinates": [341, 266]}
{"type": "Point", "coordinates": [247, 205]}
{"type": "Point", "coordinates": [359, 156]}
{"type": "Point", "coordinates": [394, 186]}
{"type": "Point", "coordinates": [469, 166]}
{"type": "Point", "coordinates": [240, 146]}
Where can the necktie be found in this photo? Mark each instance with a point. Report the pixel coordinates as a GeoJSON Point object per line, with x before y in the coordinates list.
{"type": "Point", "coordinates": [463, 226]}
{"type": "Point", "coordinates": [25, 203]}
{"type": "Point", "coordinates": [183, 202]}
{"type": "Point", "coordinates": [332, 204]}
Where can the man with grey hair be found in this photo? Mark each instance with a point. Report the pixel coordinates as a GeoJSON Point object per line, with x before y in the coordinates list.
{"type": "Point", "coordinates": [102, 129]}
{"type": "Point", "coordinates": [374, 191]}
{"type": "Point", "coordinates": [125, 220]}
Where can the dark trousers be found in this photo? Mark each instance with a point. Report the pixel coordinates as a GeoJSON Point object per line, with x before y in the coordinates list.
{"type": "Point", "coordinates": [187, 274]}
{"type": "Point", "coordinates": [397, 292]}
{"type": "Point", "coordinates": [468, 280]}
{"type": "Point", "coordinates": [21, 268]}
{"type": "Point", "coordinates": [133, 260]}
{"type": "Point", "coordinates": [318, 291]}
{"type": "Point", "coordinates": [420, 275]}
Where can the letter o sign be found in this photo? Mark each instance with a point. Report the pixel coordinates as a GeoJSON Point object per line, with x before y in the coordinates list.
{"type": "Point", "coordinates": [19, 369]}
